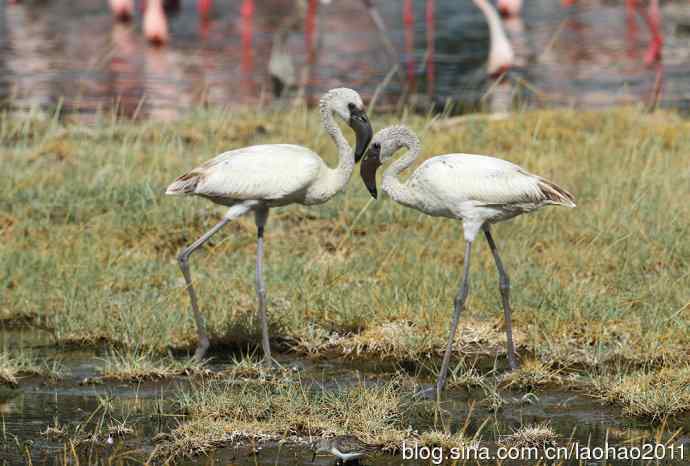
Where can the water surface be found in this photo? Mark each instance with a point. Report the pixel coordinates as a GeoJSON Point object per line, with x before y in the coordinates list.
{"type": "Point", "coordinates": [74, 404]}
{"type": "Point", "coordinates": [590, 55]}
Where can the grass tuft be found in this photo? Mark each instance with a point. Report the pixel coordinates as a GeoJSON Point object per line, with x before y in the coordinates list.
{"type": "Point", "coordinates": [652, 394]}
{"type": "Point", "coordinates": [220, 412]}
{"type": "Point", "coordinates": [531, 374]}
{"type": "Point", "coordinates": [14, 364]}
{"type": "Point", "coordinates": [533, 435]}
{"type": "Point", "coordinates": [136, 365]}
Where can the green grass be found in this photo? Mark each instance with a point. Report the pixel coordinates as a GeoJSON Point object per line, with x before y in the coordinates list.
{"type": "Point", "coordinates": [650, 394]}
{"type": "Point", "coordinates": [82, 209]}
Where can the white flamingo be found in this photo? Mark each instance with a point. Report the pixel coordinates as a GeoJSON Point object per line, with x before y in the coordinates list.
{"type": "Point", "coordinates": [257, 178]}
{"type": "Point", "coordinates": [501, 54]}
{"type": "Point", "coordinates": [476, 189]}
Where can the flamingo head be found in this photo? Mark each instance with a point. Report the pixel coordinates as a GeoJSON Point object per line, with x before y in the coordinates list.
{"type": "Point", "coordinates": [348, 105]}
{"type": "Point", "coordinates": [383, 146]}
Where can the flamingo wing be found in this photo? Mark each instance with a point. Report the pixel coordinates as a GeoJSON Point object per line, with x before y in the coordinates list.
{"type": "Point", "coordinates": [488, 181]}
{"type": "Point", "coordinates": [262, 172]}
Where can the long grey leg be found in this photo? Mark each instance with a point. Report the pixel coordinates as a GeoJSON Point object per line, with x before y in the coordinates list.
{"type": "Point", "coordinates": [504, 287]}
{"type": "Point", "coordinates": [183, 260]}
{"type": "Point", "coordinates": [261, 217]}
{"type": "Point", "coordinates": [458, 305]}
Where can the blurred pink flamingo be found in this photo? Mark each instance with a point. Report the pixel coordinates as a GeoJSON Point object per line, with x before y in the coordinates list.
{"type": "Point", "coordinates": [501, 54]}
{"type": "Point", "coordinates": [430, 43]}
{"type": "Point", "coordinates": [123, 10]}
{"type": "Point", "coordinates": [155, 20]}
{"type": "Point", "coordinates": [408, 22]}
{"type": "Point", "coordinates": [653, 19]}
{"type": "Point", "coordinates": [155, 23]}
{"type": "Point", "coordinates": [509, 8]}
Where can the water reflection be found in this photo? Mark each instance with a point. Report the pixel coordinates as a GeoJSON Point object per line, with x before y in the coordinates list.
{"type": "Point", "coordinates": [591, 53]}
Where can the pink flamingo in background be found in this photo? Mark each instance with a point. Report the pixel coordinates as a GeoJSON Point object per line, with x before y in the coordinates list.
{"type": "Point", "coordinates": [123, 10]}
{"type": "Point", "coordinates": [430, 33]}
{"type": "Point", "coordinates": [653, 19]}
{"type": "Point", "coordinates": [155, 23]}
{"type": "Point", "coordinates": [501, 54]}
{"type": "Point", "coordinates": [247, 33]}
{"type": "Point", "coordinates": [408, 22]}
{"type": "Point", "coordinates": [203, 8]}
{"type": "Point", "coordinates": [310, 30]}
{"type": "Point", "coordinates": [509, 8]}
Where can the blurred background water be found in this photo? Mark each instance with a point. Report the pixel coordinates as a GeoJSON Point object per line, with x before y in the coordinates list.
{"type": "Point", "coordinates": [589, 54]}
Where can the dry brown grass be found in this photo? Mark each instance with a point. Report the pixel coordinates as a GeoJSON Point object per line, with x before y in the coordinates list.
{"type": "Point", "coordinates": [532, 435]}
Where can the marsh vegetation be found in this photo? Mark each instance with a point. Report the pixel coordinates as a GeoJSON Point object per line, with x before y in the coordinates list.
{"type": "Point", "coordinates": [600, 293]}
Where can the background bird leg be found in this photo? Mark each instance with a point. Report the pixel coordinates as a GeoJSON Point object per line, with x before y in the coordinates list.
{"type": "Point", "coordinates": [183, 260]}
{"type": "Point", "coordinates": [261, 217]}
{"type": "Point", "coordinates": [504, 287]}
{"type": "Point", "coordinates": [458, 305]}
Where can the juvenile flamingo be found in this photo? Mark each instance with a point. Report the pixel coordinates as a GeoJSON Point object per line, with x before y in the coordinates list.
{"type": "Point", "coordinates": [257, 178]}
{"type": "Point", "coordinates": [476, 189]}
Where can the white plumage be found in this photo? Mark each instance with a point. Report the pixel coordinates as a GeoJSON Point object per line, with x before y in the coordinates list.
{"type": "Point", "coordinates": [257, 178]}
{"type": "Point", "coordinates": [476, 189]}
{"type": "Point", "coordinates": [277, 174]}
{"type": "Point", "coordinates": [480, 189]}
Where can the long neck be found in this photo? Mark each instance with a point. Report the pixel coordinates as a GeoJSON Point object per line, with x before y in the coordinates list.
{"type": "Point", "coordinates": [334, 180]}
{"type": "Point", "coordinates": [501, 53]}
{"type": "Point", "coordinates": [391, 183]}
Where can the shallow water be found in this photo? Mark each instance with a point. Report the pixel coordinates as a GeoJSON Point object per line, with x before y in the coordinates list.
{"type": "Point", "coordinates": [26, 413]}
{"type": "Point", "coordinates": [589, 55]}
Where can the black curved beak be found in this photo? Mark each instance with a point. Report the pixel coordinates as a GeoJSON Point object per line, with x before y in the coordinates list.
{"type": "Point", "coordinates": [367, 170]}
{"type": "Point", "coordinates": [359, 122]}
